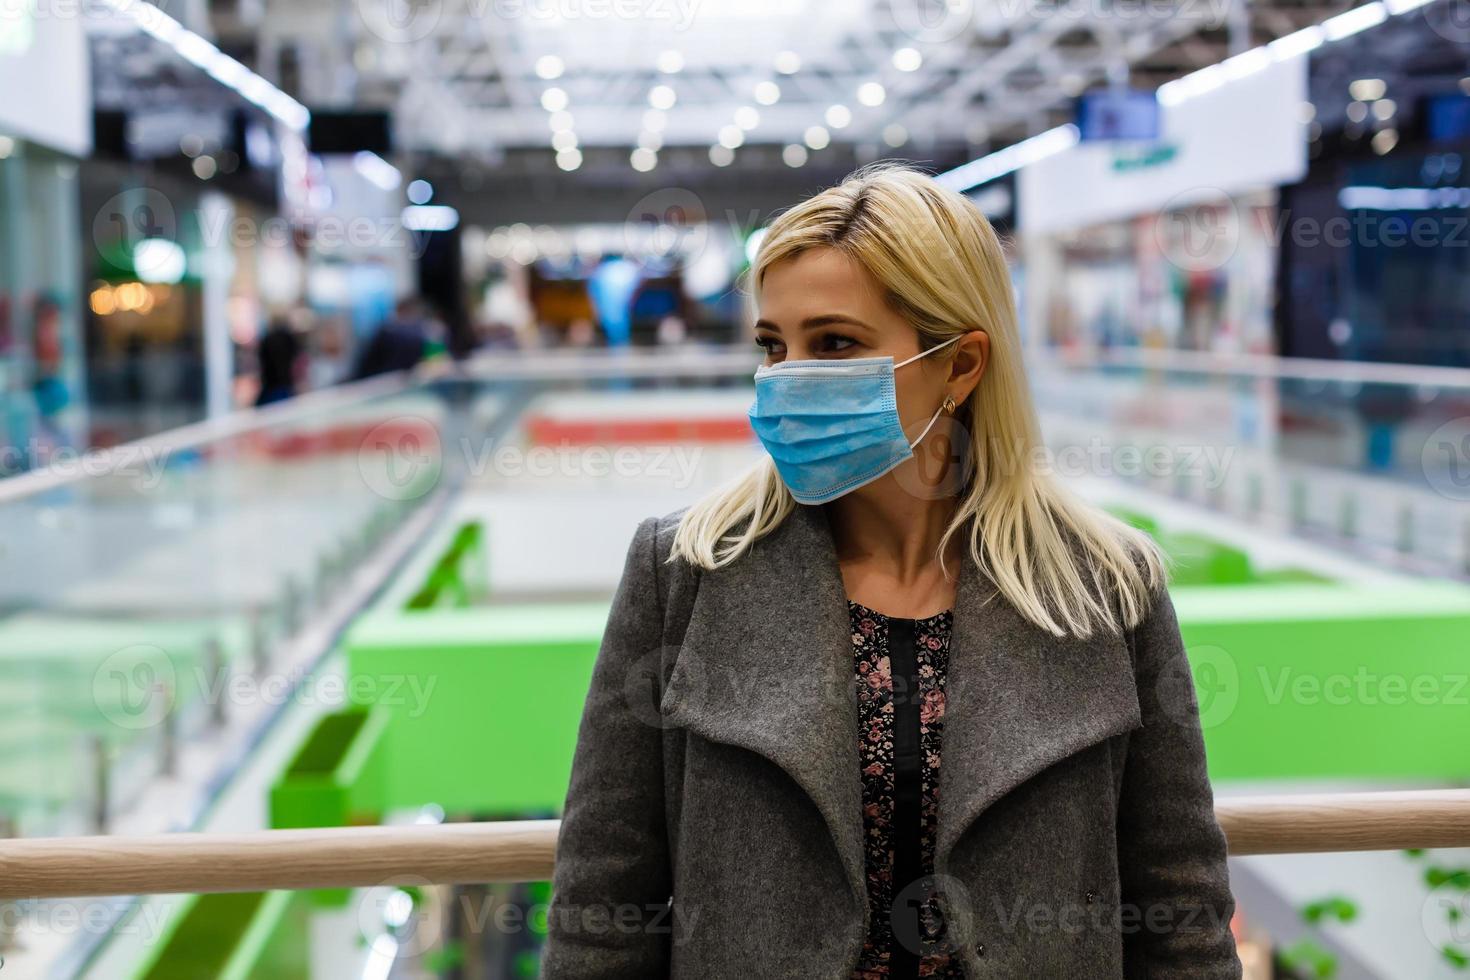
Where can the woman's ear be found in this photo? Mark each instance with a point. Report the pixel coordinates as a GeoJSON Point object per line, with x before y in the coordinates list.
{"type": "Point", "coordinates": [967, 367]}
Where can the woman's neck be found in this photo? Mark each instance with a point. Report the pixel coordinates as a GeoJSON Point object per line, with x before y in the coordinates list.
{"type": "Point", "coordinates": [886, 542]}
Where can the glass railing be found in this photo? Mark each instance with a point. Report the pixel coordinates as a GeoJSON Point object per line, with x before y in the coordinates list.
{"type": "Point", "coordinates": [167, 604]}
{"type": "Point", "coordinates": [1370, 458]}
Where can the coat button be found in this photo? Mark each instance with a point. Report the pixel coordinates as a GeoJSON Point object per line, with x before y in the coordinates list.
{"type": "Point", "coordinates": [1091, 896]}
{"type": "Point", "coordinates": [979, 949]}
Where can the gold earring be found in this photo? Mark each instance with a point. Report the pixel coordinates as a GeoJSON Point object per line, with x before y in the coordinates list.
{"type": "Point", "coordinates": [949, 404]}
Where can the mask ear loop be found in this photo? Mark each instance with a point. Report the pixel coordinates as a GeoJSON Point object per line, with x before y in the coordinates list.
{"type": "Point", "coordinates": [926, 353]}
{"type": "Point", "coordinates": [948, 406]}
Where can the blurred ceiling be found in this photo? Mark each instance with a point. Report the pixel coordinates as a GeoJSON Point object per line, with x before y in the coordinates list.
{"type": "Point", "coordinates": [496, 80]}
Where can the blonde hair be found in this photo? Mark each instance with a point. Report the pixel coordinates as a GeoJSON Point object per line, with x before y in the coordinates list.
{"type": "Point", "coordinates": [1065, 565]}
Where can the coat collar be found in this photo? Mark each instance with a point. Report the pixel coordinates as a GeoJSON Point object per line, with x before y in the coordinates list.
{"type": "Point", "coordinates": [766, 665]}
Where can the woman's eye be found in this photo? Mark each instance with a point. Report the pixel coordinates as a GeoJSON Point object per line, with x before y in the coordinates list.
{"type": "Point", "coordinates": [769, 344]}
{"type": "Point", "coordinates": [836, 342]}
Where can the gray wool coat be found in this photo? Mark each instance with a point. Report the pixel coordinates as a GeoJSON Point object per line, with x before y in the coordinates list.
{"type": "Point", "coordinates": [713, 828]}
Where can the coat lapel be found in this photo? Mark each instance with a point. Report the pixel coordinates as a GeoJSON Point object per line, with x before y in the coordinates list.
{"type": "Point", "coordinates": [766, 665]}
{"type": "Point", "coordinates": [1019, 700]}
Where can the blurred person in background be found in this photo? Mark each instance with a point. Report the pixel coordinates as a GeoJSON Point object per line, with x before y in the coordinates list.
{"type": "Point", "coordinates": [279, 353]}
{"type": "Point", "coordinates": [399, 344]}
{"type": "Point", "coordinates": [897, 582]}
{"type": "Point", "coordinates": [49, 386]}
{"type": "Point", "coordinates": [329, 362]}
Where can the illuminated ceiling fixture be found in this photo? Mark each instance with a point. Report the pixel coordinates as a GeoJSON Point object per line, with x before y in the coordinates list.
{"type": "Point", "coordinates": [549, 66]}
{"type": "Point", "coordinates": [894, 134]}
{"type": "Point", "coordinates": [817, 138]}
{"type": "Point", "coordinates": [747, 118]}
{"type": "Point", "coordinates": [1367, 89]}
{"type": "Point", "coordinates": [838, 116]}
{"type": "Point", "coordinates": [731, 136]}
{"type": "Point", "coordinates": [159, 260]}
{"type": "Point", "coordinates": [907, 59]}
{"type": "Point", "coordinates": [768, 93]}
{"type": "Point", "coordinates": [721, 156]}
{"type": "Point", "coordinates": [643, 159]}
{"type": "Point", "coordinates": [671, 62]}
{"type": "Point", "coordinates": [788, 62]}
{"type": "Point", "coordinates": [430, 217]}
{"type": "Point", "coordinates": [794, 155]}
{"type": "Point", "coordinates": [569, 159]}
{"type": "Point", "coordinates": [554, 99]}
{"type": "Point", "coordinates": [871, 94]}
{"type": "Point", "coordinates": [150, 19]}
{"type": "Point", "coordinates": [662, 97]}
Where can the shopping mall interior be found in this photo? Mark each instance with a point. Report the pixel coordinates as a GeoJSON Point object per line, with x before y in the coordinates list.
{"type": "Point", "coordinates": [345, 344]}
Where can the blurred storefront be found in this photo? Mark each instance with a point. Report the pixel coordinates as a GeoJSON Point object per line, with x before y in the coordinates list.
{"type": "Point", "coordinates": [179, 212]}
{"type": "Point", "coordinates": [42, 400]}
{"type": "Point", "coordinates": [1167, 243]}
{"type": "Point", "coordinates": [1376, 255]}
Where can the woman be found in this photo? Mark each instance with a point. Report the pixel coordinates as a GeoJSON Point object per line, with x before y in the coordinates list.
{"type": "Point", "coordinates": [758, 789]}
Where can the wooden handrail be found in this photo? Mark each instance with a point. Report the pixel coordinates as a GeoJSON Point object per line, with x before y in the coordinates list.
{"type": "Point", "coordinates": [465, 853]}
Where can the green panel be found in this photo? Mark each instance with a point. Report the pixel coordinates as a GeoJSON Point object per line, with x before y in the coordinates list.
{"type": "Point", "coordinates": [1331, 681]}
{"type": "Point", "coordinates": [1141, 521]}
{"type": "Point", "coordinates": [336, 779]}
{"type": "Point", "coordinates": [243, 936]}
{"type": "Point", "coordinates": [459, 577]}
{"type": "Point", "coordinates": [485, 702]}
{"type": "Point", "coordinates": [1199, 560]}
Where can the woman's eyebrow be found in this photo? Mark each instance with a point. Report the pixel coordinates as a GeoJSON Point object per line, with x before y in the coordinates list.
{"type": "Point", "coordinates": [821, 320]}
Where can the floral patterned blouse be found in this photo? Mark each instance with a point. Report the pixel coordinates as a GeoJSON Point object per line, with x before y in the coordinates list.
{"type": "Point", "coordinates": [898, 745]}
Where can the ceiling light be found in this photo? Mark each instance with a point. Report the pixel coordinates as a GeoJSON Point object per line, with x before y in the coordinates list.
{"type": "Point", "coordinates": [1013, 157]}
{"type": "Point", "coordinates": [838, 116]}
{"type": "Point", "coordinates": [721, 156]}
{"type": "Point", "coordinates": [1355, 20]}
{"type": "Point", "coordinates": [662, 97]}
{"type": "Point", "coordinates": [560, 121]}
{"type": "Point", "coordinates": [1384, 109]}
{"type": "Point", "coordinates": [817, 138]}
{"type": "Point", "coordinates": [654, 120]}
{"type": "Point", "coordinates": [788, 62]}
{"type": "Point", "coordinates": [747, 118]}
{"type": "Point", "coordinates": [895, 135]}
{"type": "Point", "coordinates": [907, 59]}
{"type": "Point", "coordinates": [1357, 111]}
{"type": "Point", "coordinates": [643, 159]}
{"type": "Point", "coordinates": [420, 192]}
{"type": "Point", "coordinates": [554, 99]}
{"type": "Point", "coordinates": [650, 140]}
{"type": "Point", "coordinates": [564, 140]}
{"type": "Point", "coordinates": [871, 94]}
{"type": "Point", "coordinates": [434, 217]}
{"type": "Point", "coordinates": [1367, 89]}
{"type": "Point", "coordinates": [1385, 140]}
{"type": "Point", "coordinates": [731, 136]}
{"type": "Point", "coordinates": [794, 155]}
{"type": "Point", "coordinates": [671, 62]}
{"type": "Point", "coordinates": [768, 93]}
{"type": "Point", "coordinates": [549, 66]}
{"type": "Point", "coordinates": [569, 159]}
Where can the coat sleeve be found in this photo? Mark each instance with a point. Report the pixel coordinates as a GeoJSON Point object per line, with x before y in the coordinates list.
{"type": "Point", "coordinates": [608, 916]}
{"type": "Point", "coordinates": [1176, 900]}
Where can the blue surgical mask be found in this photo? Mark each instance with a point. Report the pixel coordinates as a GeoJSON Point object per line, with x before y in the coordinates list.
{"type": "Point", "coordinates": [832, 426]}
